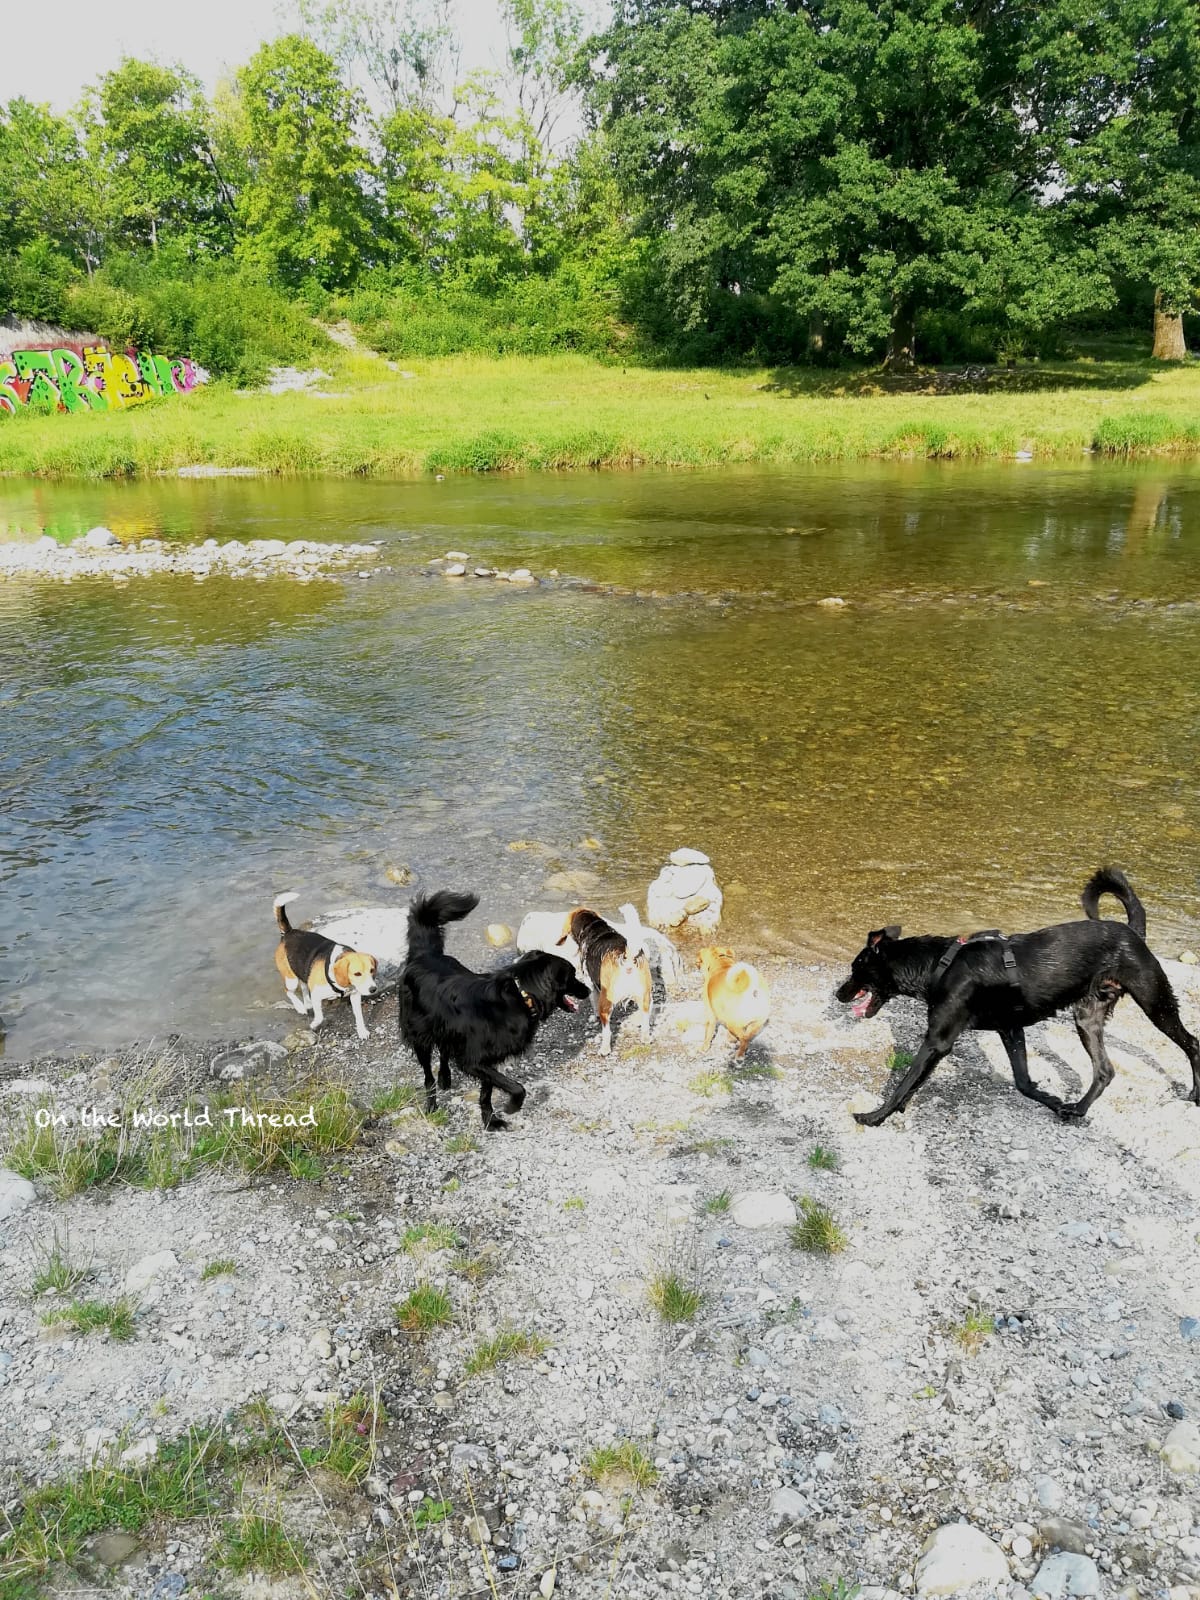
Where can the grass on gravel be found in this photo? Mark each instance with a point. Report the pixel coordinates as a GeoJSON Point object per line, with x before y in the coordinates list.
{"type": "Point", "coordinates": [478, 414]}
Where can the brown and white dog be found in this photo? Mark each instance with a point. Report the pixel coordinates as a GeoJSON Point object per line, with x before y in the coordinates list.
{"type": "Point", "coordinates": [315, 970]}
{"type": "Point", "coordinates": [615, 963]}
{"type": "Point", "coordinates": [735, 997]}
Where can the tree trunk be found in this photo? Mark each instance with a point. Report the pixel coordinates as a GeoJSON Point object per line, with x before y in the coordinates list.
{"type": "Point", "coordinates": [817, 332]}
{"type": "Point", "coordinates": [902, 341]}
{"type": "Point", "coordinates": [1169, 342]}
{"type": "Point", "coordinates": [154, 235]}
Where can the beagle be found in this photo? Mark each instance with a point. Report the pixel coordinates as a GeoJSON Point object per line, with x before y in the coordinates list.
{"type": "Point", "coordinates": [314, 970]}
{"type": "Point", "coordinates": [615, 963]}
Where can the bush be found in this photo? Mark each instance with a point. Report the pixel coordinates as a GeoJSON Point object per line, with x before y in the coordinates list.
{"type": "Point", "coordinates": [33, 282]}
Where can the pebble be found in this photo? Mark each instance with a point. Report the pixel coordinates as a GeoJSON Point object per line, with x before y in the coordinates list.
{"type": "Point", "coordinates": [1049, 1494]}
{"type": "Point", "coordinates": [1061, 1534]}
{"type": "Point", "coordinates": [762, 1208]}
{"type": "Point", "coordinates": [1181, 1449]}
{"type": "Point", "coordinates": [1189, 1328]}
{"type": "Point", "coordinates": [143, 1273]}
{"type": "Point", "coordinates": [16, 1193]}
{"type": "Point", "coordinates": [788, 1506]}
{"type": "Point", "coordinates": [546, 1586]}
{"type": "Point", "coordinates": [476, 1530]}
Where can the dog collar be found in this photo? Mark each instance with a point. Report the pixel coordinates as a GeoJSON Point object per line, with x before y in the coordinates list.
{"type": "Point", "coordinates": [525, 995]}
{"type": "Point", "coordinates": [336, 954]}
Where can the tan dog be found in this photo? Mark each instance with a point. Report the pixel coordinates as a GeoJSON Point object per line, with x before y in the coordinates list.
{"type": "Point", "coordinates": [735, 997]}
{"type": "Point", "coordinates": [314, 969]}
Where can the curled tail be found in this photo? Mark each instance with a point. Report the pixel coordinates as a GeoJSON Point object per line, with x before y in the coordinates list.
{"type": "Point", "coordinates": [1111, 880]}
{"type": "Point", "coordinates": [429, 913]}
{"type": "Point", "coordinates": [281, 916]}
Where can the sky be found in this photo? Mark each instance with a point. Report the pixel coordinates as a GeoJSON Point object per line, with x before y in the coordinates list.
{"type": "Point", "coordinates": [53, 48]}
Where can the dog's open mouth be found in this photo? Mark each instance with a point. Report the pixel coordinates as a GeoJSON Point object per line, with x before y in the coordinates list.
{"type": "Point", "coordinates": [568, 1004]}
{"type": "Point", "coordinates": [864, 1003]}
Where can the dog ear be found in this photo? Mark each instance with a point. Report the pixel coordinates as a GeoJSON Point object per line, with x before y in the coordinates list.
{"type": "Point", "coordinates": [880, 934]}
{"type": "Point", "coordinates": [893, 930]}
{"type": "Point", "coordinates": [563, 940]}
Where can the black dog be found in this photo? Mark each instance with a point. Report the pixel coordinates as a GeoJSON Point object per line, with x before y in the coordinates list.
{"type": "Point", "coordinates": [475, 1020]}
{"type": "Point", "coordinates": [1008, 984]}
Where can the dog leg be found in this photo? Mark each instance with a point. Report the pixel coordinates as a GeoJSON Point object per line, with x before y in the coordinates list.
{"type": "Point", "coordinates": [646, 1024]}
{"type": "Point", "coordinates": [1090, 1016]}
{"type": "Point", "coordinates": [514, 1090]}
{"type": "Point", "coordinates": [491, 1122]}
{"type": "Point", "coordinates": [710, 1032]}
{"type": "Point", "coordinates": [424, 1055]}
{"type": "Point", "coordinates": [604, 1012]}
{"type": "Point", "coordinates": [360, 1026]}
{"type": "Point", "coordinates": [318, 1014]}
{"type": "Point", "coordinates": [443, 1070]}
{"type": "Point", "coordinates": [1157, 1000]}
{"type": "Point", "coordinates": [746, 1040]}
{"type": "Point", "coordinates": [934, 1047]}
{"type": "Point", "coordinates": [292, 985]}
{"type": "Point", "coordinates": [1013, 1040]}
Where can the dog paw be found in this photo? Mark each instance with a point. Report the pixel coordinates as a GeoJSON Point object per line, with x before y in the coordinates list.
{"type": "Point", "coordinates": [869, 1119]}
{"type": "Point", "coordinates": [496, 1125]}
{"type": "Point", "coordinates": [362, 1034]}
{"type": "Point", "coordinates": [1070, 1114]}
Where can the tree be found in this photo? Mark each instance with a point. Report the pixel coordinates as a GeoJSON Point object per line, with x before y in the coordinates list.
{"type": "Point", "coordinates": [403, 48]}
{"type": "Point", "coordinates": [150, 130]}
{"type": "Point", "coordinates": [544, 37]}
{"type": "Point", "coordinates": [859, 159]}
{"type": "Point", "coordinates": [51, 191]}
{"type": "Point", "coordinates": [303, 208]}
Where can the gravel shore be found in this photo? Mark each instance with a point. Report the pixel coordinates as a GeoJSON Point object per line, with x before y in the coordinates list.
{"type": "Point", "coordinates": [1007, 1346]}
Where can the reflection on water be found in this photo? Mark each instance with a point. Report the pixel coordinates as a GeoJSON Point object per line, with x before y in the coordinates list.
{"type": "Point", "coordinates": [1007, 700]}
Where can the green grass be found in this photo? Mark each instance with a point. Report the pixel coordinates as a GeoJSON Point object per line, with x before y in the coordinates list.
{"type": "Point", "coordinates": [349, 1450]}
{"type": "Point", "coordinates": [818, 1230]}
{"type": "Point", "coordinates": [503, 1346]}
{"type": "Point", "coordinates": [251, 1132]}
{"type": "Point", "coordinates": [574, 411]}
{"type": "Point", "coordinates": [462, 1144]}
{"type": "Point", "coordinates": [56, 1271]}
{"type": "Point", "coordinates": [574, 1202]}
{"type": "Point", "coordinates": [398, 1098]}
{"type": "Point", "coordinates": [429, 1236]}
{"type": "Point", "coordinates": [221, 1267]}
{"type": "Point", "coordinates": [430, 1512]}
{"type": "Point", "coordinates": [115, 1317]}
{"type": "Point", "coordinates": [821, 1159]}
{"type": "Point", "coordinates": [899, 1060]}
{"type": "Point", "coordinates": [974, 1330]}
{"type": "Point", "coordinates": [255, 1542]}
{"type": "Point", "coordinates": [625, 1460]}
{"type": "Point", "coordinates": [424, 1309]}
{"type": "Point", "coordinates": [717, 1204]}
{"type": "Point", "coordinates": [674, 1298]}
{"type": "Point", "coordinates": [476, 1268]}
{"type": "Point", "coordinates": [713, 1081]}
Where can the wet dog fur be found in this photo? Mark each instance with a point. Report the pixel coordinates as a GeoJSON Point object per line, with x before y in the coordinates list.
{"type": "Point", "coordinates": [474, 1020]}
{"type": "Point", "coordinates": [1083, 966]}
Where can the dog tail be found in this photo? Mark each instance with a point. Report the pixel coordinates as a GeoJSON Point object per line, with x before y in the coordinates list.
{"type": "Point", "coordinates": [281, 916]}
{"type": "Point", "coordinates": [1111, 880]}
{"type": "Point", "coordinates": [429, 913]}
{"type": "Point", "coordinates": [743, 979]}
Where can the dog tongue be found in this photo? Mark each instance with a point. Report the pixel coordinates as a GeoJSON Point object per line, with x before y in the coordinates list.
{"type": "Point", "coordinates": [860, 1002]}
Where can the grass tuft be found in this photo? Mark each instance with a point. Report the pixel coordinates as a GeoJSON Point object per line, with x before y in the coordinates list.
{"type": "Point", "coordinates": [625, 1460]}
{"type": "Point", "coordinates": [974, 1330]}
{"type": "Point", "coordinates": [90, 1316]}
{"type": "Point", "coordinates": [503, 1346]}
{"type": "Point", "coordinates": [899, 1060]}
{"type": "Point", "coordinates": [713, 1081]}
{"type": "Point", "coordinates": [717, 1204]}
{"type": "Point", "coordinates": [255, 1542]}
{"type": "Point", "coordinates": [424, 1236]}
{"type": "Point", "coordinates": [674, 1299]}
{"type": "Point", "coordinates": [818, 1230]}
{"type": "Point", "coordinates": [221, 1267]}
{"type": "Point", "coordinates": [424, 1309]}
{"type": "Point", "coordinates": [821, 1159]}
{"type": "Point", "coordinates": [57, 1273]}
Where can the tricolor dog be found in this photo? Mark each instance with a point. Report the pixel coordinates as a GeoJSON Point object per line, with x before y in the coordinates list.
{"type": "Point", "coordinates": [615, 963]}
{"type": "Point", "coordinates": [315, 970]}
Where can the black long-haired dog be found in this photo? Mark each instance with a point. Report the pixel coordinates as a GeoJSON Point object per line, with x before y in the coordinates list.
{"type": "Point", "coordinates": [474, 1020]}
{"type": "Point", "coordinates": [1008, 984]}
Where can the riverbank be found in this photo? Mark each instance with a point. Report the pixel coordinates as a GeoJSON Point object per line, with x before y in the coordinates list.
{"type": "Point", "coordinates": [100, 554]}
{"type": "Point", "coordinates": [471, 414]}
{"type": "Point", "coordinates": [407, 1359]}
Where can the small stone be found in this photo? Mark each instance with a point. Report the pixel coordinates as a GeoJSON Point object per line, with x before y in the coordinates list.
{"type": "Point", "coordinates": [1189, 958]}
{"type": "Point", "coordinates": [470, 1458]}
{"type": "Point", "coordinates": [549, 1579]}
{"type": "Point", "coordinates": [143, 1272]}
{"type": "Point", "coordinates": [1049, 1494]}
{"type": "Point", "coordinates": [98, 539]}
{"type": "Point", "coordinates": [689, 858]}
{"type": "Point", "coordinates": [762, 1208]}
{"type": "Point", "coordinates": [957, 1556]}
{"type": "Point", "coordinates": [1067, 1573]}
{"type": "Point", "coordinates": [1060, 1534]}
{"type": "Point", "coordinates": [1189, 1329]}
{"type": "Point", "coordinates": [477, 1530]}
{"type": "Point", "coordinates": [16, 1193]}
{"type": "Point", "coordinates": [498, 934]}
{"type": "Point", "coordinates": [454, 570]}
{"type": "Point", "coordinates": [788, 1506]}
{"type": "Point", "coordinates": [114, 1549]}
{"type": "Point", "coordinates": [1022, 1547]}
{"type": "Point", "coordinates": [832, 602]}
{"type": "Point", "coordinates": [457, 555]}
{"type": "Point", "coordinates": [1174, 1410]}
{"type": "Point", "coordinates": [399, 874]}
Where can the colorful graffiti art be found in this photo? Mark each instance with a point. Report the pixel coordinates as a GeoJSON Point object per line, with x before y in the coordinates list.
{"type": "Point", "coordinates": [89, 377]}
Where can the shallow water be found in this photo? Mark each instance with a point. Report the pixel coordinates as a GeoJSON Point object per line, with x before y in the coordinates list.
{"type": "Point", "coordinates": [1008, 698]}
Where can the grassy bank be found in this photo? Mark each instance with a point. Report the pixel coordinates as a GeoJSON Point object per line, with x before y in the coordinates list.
{"type": "Point", "coordinates": [467, 413]}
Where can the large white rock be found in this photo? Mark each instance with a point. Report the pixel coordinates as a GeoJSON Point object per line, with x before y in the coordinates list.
{"type": "Point", "coordinates": [1181, 1449]}
{"type": "Point", "coordinates": [957, 1557]}
{"type": "Point", "coordinates": [762, 1208]}
{"type": "Point", "coordinates": [16, 1193]}
{"type": "Point", "coordinates": [143, 1273]}
{"type": "Point", "coordinates": [1067, 1574]}
{"type": "Point", "coordinates": [99, 539]}
{"type": "Point", "coordinates": [379, 931]}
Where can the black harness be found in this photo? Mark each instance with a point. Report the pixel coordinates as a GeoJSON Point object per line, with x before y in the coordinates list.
{"type": "Point", "coordinates": [1010, 961]}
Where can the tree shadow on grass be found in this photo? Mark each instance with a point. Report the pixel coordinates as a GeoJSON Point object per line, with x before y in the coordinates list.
{"type": "Point", "coordinates": [798, 383]}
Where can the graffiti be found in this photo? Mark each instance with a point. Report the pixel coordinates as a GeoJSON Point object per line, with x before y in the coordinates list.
{"type": "Point", "coordinates": [89, 378]}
